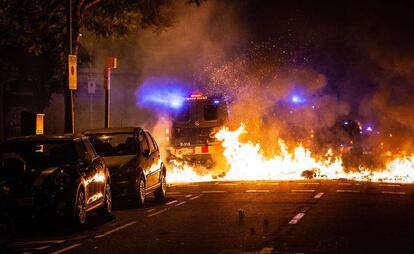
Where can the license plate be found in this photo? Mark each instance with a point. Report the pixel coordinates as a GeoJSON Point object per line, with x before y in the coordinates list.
{"type": "Point", "coordinates": [185, 151]}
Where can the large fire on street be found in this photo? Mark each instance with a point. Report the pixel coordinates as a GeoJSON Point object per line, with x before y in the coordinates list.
{"type": "Point", "coordinates": [246, 161]}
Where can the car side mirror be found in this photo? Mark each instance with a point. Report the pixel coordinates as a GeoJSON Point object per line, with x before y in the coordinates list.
{"type": "Point", "coordinates": [146, 153]}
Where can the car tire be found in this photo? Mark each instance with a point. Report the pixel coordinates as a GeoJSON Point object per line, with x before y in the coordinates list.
{"type": "Point", "coordinates": [161, 192]}
{"type": "Point", "coordinates": [140, 190]}
{"type": "Point", "coordinates": [80, 209]}
{"type": "Point", "coordinates": [7, 228]}
{"type": "Point", "coordinates": [106, 208]}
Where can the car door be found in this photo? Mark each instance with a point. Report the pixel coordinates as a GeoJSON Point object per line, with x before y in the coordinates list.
{"type": "Point", "coordinates": [156, 159]}
{"type": "Point", "coordinates": [144, 155]}
{"type": "Point", "coordinates": [95, 173]}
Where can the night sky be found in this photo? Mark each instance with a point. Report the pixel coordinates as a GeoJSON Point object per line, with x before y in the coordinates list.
{"type": "Point", "coordinates": [361, 46]}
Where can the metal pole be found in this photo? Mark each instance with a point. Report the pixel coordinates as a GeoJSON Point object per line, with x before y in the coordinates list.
{"type": "Point", "coordinates": [69, 102]}
{"type": "Point", "coordinates": [107, 85]}
{"type": "Point", "coordinates": [90, 110]}
{"type": "Point", "coordinates": [107, 101]}
{"type": "Point", "coordinates": [2, 106]}
{"type": "Point", "coordinates": [72, 108]}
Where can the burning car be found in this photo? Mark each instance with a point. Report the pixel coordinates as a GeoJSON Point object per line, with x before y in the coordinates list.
{"type": "Point", "coordinates": [194, 126]}
{"type": "Point", "coordinates": [52, 175]}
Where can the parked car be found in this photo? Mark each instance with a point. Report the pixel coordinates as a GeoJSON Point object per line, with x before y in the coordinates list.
{"type": "Point", "coordinates": [134, 161]}
{"type": "Point", "coordinates": [52, 175]}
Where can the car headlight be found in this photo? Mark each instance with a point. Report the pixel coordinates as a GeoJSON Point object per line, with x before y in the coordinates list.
{"type": "Point", "coordinates": [62, 180]}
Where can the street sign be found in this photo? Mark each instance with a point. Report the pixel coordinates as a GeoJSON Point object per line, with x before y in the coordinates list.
{"type": "Point", "coordinates": [72, 70]}
{"type": "Point", "coordinates": [91, 85]}
{"type": "Point", "coordinates": [40, 120]}
{"type": "Point", "coordinates": [111, 62]}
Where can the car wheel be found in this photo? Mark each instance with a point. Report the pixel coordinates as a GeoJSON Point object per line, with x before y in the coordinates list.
{"type": "Point", "coordinates": [7, 228]}
{"type": "Point", "coordinates": [160, 193]}
{"type": "Point", "coordinates": [80, 208]}
{"type": "Point", "coordinates": [140, 190]}
{"type": "Point", "coordinates": [106, 209]}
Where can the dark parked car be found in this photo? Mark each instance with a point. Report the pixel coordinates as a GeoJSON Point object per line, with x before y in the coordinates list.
{"type": "Point", "coordinates": [51, 175]}
{"type": "Point", "coordinates": [134, 160]}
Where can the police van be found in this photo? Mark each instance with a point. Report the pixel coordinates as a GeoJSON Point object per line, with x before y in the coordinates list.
{"type": "Point", "coordinates": [194, 126]}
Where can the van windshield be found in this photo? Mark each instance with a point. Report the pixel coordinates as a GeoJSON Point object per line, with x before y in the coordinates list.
{"type": "Point", "coordinates": [183, 114]}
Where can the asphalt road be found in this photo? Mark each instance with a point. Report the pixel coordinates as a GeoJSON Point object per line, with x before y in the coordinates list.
{"type": "Point", "coordinates": [244, 217]}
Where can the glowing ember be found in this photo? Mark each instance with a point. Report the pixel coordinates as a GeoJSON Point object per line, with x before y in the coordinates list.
{"type": "Point", "coordinates": [247, 162]}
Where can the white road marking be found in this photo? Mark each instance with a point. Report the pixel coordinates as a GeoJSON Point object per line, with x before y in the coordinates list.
{"type": "Point", "coordinates": [393, 192]}
{"type": "Point", "coordinates": [229, 184]}
{"type": "Point", "coordinates": [308, 191]}
{"type": "Point", "coordinates": [217, 183]}
{"type": "Point", "coordinates": [156, 213]}
{"type": "Point", "coordinates": [313, 183]}
{"type": "Point", "coordinates": [151, 210]}
{"type": "Point", "coordinates": [67, 248]}
{"type": "Point", "coordinates": [173, 192]}
{"type": "Point", "coordinates": [267, 183]}
{"type": "Point", "coordinates": [116, 229]}
{"type": "Point", "coordinates": [297, 218]}
{"type": "Point", "coordinates": [38, 242]}
{"type": "Point", "coordinates": [390, 185]}
{"type": "Point", "coordinates": [172, 202]}
{"type": "Point", "coordinates": [257, 191]}
{"type": "Point", "coordinates": [182, 202]}
{"type": "Point", "coordinates": [319, 195]}
{"type": "Point", "coordinates": [266, 250]}
{"type": "Point", "coordinates": [348, 191]}
{"type": "Point", "coordinates": [213, 191]}
{"type": "Point", "coordinates": [189, 195]}
{"type": "Point", "coordinates": [345, 184]}
{"type": "Point", "coordinates": [196, 197]}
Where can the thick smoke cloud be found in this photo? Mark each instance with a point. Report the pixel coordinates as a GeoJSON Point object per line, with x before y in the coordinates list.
{"type": "Point", "coordinates": [345, 60]}
{"type": "Point", "coordinates": [210, 48]}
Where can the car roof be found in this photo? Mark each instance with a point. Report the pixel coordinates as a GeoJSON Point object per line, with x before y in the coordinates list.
{"type": "Point", "coordinates": [46, 137]}
{"type": "Point", "coordinates": [112, 130]}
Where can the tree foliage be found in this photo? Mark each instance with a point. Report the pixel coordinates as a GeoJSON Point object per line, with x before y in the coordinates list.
{"type": "Point", "coordinates": [37, 28]}
{"type": "Point", "coordinates": [33, 40]}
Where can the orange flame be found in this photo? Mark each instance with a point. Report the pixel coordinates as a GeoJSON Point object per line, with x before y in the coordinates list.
{"type": "Point", "coordinates": [247, 162]}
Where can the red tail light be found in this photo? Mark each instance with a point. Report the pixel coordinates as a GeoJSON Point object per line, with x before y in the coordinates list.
{"type": "Point", "coordinates": [204, 149]}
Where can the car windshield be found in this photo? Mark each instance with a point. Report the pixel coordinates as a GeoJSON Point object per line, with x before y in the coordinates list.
{"type": "Point", "coordinates": [43, 154]}
{"type": "Point", "coordinates": [114, 144]}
